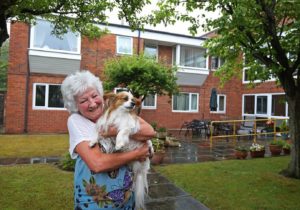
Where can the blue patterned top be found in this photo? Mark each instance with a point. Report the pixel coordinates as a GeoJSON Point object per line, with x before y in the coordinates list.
{"type": "Point", "coordinates": [106, 190]}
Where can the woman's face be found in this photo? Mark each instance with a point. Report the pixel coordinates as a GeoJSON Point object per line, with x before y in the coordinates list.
{"type": "Point", "coordinates": [90, 104]}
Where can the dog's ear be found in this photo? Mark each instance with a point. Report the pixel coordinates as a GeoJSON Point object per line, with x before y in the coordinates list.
{"type": "Point", "coordinates": [109, 98]}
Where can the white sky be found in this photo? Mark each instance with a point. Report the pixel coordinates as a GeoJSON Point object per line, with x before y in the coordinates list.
{"type": "Point", "coordinates": [178, 27]}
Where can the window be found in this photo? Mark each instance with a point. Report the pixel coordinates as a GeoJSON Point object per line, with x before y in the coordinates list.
{"type": "Point", "coordinates": [46, 96]}
{"type": "Point", "coordinates": [124, 45]}
{"type": "Point", "coordinates": [221, 101]}
{"type": "Point", "coordinates": [265, 105]}
{"type": "Point", "coordinates": [150, 51]}
{"type": "Point", "coordinates": [249, 104]}
{"type": "Point", "coordinates": [44, 39]}
{"type": "Point", "coordinates": [261, 104]}
{"type": "Point", "coordinates": [185, 102]}
{"type": "Point", "coordinates": [216, 62]}
{"type": "Point", "coordinates": [192, 57]}
{"type": "Point", "coordinates": [149, 102]}
{"type": "Point", "coordinates": [279, 105]}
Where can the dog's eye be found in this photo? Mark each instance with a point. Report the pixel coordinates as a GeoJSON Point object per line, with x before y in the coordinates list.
{"type": "Point", "coordinates": [126, 98]}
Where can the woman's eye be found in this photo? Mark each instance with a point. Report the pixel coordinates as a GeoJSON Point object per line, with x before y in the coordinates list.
{"type": "Point", "coordinates": [81, 102]}
{"type": "Point", "coordinates": [94, 96]}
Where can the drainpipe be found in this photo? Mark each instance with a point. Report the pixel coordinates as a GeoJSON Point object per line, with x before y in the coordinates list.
{"type": "Point", "coordinates": [27, 87]}
{"type": "Point", "coordinates": [139, 40]}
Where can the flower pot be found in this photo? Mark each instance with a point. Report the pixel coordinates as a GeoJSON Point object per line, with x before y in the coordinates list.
{"type": "Point", "coordinates": [256, 154]}
{"type": "Point", "coordinates": [161, 135]}
{"type": "Point", "coordinates": [286, 151]}
{"type": "Point", "coordinates": [157, 158]}
{"type": "Point", "coordinates": [241, 154]}
{"type": "Point", "coordinates": [275, 149]}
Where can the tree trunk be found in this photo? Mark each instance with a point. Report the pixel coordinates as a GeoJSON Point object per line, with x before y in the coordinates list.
{"type": "Point", "coordinates": [293, 169]}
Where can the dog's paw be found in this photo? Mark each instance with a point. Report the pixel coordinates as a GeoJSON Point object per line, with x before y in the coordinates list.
{"type": "Point", "coordinates": [119, 145]}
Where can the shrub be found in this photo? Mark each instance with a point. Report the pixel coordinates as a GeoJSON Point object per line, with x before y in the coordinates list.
{"type": "Point", "coordinates": [67, 163]}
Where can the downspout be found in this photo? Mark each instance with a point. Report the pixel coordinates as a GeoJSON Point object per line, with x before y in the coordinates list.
{"type": "Point", "coordinates": [139, 40]}
{"type": "Point", "coordinates": [27, 87]}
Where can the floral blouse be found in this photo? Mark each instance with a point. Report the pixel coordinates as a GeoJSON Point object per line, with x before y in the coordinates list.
{"type": "Point", "coordinates": [98, 191]}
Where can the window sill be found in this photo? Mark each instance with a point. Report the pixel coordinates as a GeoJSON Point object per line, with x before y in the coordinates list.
{"type": "Point", "coordinates": [54, 54]}
{"type": "Point", "coordinates": [192, 70]}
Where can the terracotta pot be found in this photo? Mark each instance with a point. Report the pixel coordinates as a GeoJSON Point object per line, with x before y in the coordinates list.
{"type": "Point", "coordinates": [275, 149]}
{"type": "Point", "coordinates": [286, 151]}
{"type": "Point", "coordinates": [241, 154]}
{"type": "Point", "coordinates": [157, 158]}
{"type": "Point", "coordinates": [256, 154]}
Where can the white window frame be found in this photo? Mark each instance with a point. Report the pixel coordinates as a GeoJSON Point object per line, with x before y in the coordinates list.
{"type": "Point", "coordinates": [119, 44]}
{"type": "Point", "coordinates": [218, 111]}
{"type": "Point", "coordinates": [62, 53]}
{"type": "Point", "coordinates": [150, 107]}
{"type": "Point", "coordinates": [188, 69]}
{"type": "Point", "coordinates": [269, 106]}
{"type": "Point", "coordinates": [219, 63]}
{"type": "Point", "coordinates": [46, 107]}
{"type": "Point", "coordinates": [190, 103]}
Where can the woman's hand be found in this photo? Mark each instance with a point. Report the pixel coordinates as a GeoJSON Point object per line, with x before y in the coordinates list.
{"type": "Point", "coordinates": [143, 152]}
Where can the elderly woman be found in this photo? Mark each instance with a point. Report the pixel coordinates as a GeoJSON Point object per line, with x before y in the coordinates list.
{"type": "Point", "coordinates": [101, 181]}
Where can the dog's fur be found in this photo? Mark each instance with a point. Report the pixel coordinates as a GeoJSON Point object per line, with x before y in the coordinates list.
{"type": "Point", "coordinates": [120, 114]}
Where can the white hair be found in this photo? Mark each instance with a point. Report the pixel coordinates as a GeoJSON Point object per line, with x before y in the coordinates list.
{"type": "Point", "coordinates": [76, 84]}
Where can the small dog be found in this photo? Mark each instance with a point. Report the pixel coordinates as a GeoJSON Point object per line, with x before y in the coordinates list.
{"type": "Point", "coordinates": [121, 114]}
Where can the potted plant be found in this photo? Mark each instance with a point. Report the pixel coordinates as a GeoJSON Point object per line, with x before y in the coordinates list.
{"type": "Point", "coordinates": [284, 128]}
{"type": "Point", "coordinates": [286, 148]}
{"type": "Point", "coordinates": [159, 151]}
{"type": "Point", "coordinates": [257, 150]}
{"type": "Point", "coordinates": [276, 147]}
{"type": "Point", "coordinates": [161, 133]}
{"type": "Point", "coordinates": [241, 152]}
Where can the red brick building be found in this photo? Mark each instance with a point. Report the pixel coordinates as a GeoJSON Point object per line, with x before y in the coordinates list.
{"type": "Point", "coordinates": [38, 63]}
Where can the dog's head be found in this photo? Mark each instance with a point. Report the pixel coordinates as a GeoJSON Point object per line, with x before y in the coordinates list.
{"type": "Point", "coordinates": [122, 100]}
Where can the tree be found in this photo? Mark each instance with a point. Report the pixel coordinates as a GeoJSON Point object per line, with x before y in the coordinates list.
{"type": "Point", "coordinates": [141, 75]}
{"type": "Point", "coordinates": [78, 15]}
{"type": "Point", "coordinates": [268, 34]}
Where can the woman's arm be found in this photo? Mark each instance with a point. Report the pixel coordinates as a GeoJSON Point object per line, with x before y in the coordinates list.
{"type": "Point", "coordinates": [146, 131]}
{"type": "Point", "coordinates": [101, 162]}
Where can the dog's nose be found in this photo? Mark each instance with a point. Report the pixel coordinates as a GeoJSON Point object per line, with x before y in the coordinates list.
{"type": "Point", "coordinates": [132, 103]}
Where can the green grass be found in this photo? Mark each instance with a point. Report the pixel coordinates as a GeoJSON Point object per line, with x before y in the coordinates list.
{"type": "Point", "coordinates": [38, 187]}
{"type": "Point", "coordinates": [235, 184]}
{"type": "Point", "coordinates": [33, 145]}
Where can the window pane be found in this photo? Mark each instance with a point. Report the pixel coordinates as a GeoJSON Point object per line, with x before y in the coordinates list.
{"type": "Point", "coordinates": [221, 103]}
{"type": "Point", "coordinates": [43, 38]}
{"type": "Point", "coordinates": [150, 51]}
{"type": "Point", "coordinates": [278, 105]}
{"type": "Point", "coordinates": [55, 97]}
{"type": "Point", "coordinates": [249, 104]}
{"type": "Point", "coordinates": [124, 45]}
{"type": "Point", "coordinates": [40, 91]}
{"type": "Point", "coordinates": [192, 57]}
{"type": "Point", "coordinates": [194, 102]}
{"type": "Point", "coordinates": [149, 100]}
{"type": "Point", "coordinates": [261, 106]}
{"type": "Point", "coordinates": [214, 62]}
{"type": "Point", "coordinates": [181, 102]}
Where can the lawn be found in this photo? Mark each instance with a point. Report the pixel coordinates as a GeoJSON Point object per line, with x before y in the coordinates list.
{"type": "Point", "coordinates": [33, 145]}
{"type": "Point", "coordinates": [234, 184]}
{"type": "Point", "coordinates": [231, 184]}
{"type": "Point", "coordinates": [238, 184]}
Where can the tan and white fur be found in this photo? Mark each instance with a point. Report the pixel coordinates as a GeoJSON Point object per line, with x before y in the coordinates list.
{"type": "Point", "coordinates": [121, 114]}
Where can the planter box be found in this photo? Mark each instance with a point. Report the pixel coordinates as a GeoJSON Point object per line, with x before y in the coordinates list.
{"type": "Point", "coordinates": [275, 150]}
{"type": "Point", "coordinates": [257, 154]}
{"type": "Point", "coordinates": [241, 154]}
